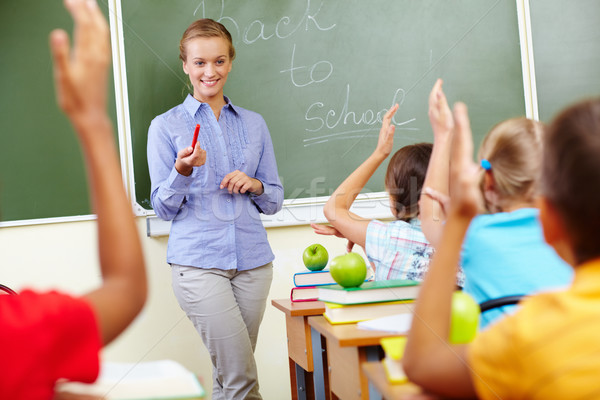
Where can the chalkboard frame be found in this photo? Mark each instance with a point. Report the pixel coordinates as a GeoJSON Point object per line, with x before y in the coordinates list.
{"type": "Point", "coordinates": [80, 209]}
{"type": "Point", "coordinates": [311, 208]}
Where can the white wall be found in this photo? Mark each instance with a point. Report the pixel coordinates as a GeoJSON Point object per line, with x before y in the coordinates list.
{"type": "Point", "coordinates": [64, 256]}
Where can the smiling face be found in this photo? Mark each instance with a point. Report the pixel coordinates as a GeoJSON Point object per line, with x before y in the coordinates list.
{"type": "Point", "coordinates": [207, 64]}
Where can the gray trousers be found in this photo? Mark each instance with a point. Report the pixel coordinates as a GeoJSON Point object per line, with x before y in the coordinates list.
{"type": "Point", "coordinates": [226, 307]}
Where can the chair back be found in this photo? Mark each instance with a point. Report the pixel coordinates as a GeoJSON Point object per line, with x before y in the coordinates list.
{"type": "Point", "coordinates": [6, 290]}
{"type": "Point", "coordinates": [500, 302]}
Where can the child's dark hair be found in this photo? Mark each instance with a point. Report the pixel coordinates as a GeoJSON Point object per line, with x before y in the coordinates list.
{"type": "Point", "coordinates": [404, 179]}
{"type": "Point", "coordinates": [571, 175]}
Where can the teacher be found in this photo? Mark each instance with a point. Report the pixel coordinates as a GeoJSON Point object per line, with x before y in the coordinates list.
{"type": "Point", "coordinates": [213, 192]}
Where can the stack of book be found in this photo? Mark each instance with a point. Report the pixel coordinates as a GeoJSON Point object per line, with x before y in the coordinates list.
{"type": "Point", "coordinates": [374, 299]}
{"type": "Point", "coordinates": [307, 283]}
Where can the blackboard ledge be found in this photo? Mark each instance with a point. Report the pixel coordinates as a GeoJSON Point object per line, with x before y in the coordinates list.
{"type": "Point", "coordinates": [299, 212]}
{"type": "Point", "coordinates": [43, 221]}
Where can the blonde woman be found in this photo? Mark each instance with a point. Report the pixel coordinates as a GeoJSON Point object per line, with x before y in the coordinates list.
{"type": "Point", "coordinates": [214, 192]}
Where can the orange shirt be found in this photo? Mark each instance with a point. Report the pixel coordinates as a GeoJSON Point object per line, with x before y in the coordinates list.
{"type": "Point", "coordinates": [549, 349]}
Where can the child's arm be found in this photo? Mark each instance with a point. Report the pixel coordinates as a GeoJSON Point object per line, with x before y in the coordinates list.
{"type": "Point", "coordinates": [431, 212]}
{"type": "Point", "coordinates": [337, 208]}
{"type": "Point", "coordinates": [81, 85]}
{"type": "Point", "coordinates": [430, 360]}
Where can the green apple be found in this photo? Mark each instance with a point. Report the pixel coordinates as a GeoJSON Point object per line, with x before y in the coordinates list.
{"type": "Point", "coordinates": [464, 318]}
{"type": "Point", "coordinates": [315, 257]}
{"type": "Point", "coordinates": [348, 270]}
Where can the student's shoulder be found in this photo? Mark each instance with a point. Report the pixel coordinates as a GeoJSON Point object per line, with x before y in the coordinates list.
{"type": "Point", "coordinates": [34, 308]}
{"type": "Point", "coordinates": [396, 228]}
{"type": "Point", "coordinates": [521, 215]}
{"type": "Point", "coordinates": [538, 319]}
{"type": "Point", "coordinates": [521, 344]}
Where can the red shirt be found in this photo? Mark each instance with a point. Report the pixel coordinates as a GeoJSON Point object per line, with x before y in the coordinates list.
{"type": "Point", "coordinates": [45, 337]}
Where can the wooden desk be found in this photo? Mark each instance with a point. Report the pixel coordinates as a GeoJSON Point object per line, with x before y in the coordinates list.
{"type": "Point", "coordinates": [375, 373]}
{"type": "Point", "coordinates": [348, 347]}
{"type": "Point", "coordinates": [306, 371]}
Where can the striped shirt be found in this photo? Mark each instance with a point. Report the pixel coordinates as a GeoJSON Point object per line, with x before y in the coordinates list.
{"type": "Point", "coordinates": [398, 249]}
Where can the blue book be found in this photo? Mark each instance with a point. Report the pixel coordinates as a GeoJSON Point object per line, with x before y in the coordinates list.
{"type": "Point", "coordinates": [313, 278]}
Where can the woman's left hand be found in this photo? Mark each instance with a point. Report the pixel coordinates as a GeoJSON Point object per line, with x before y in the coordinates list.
{"type": "Point", "coordinates": [238, 182]}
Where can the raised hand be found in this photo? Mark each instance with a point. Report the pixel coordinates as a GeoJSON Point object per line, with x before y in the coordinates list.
{"type": "Point", "coordinates": [440, 198]}
{"type": "Point", "coordinates": [81, 75]}
{"type": "Point", "coordinates": [440, 115]}
{"type": "Point", "coordinates": [433, 210]}
{"type": "Point", "coordinates": [465, 195]}
{"type": "Point", "coordinates": [81, 85]}
{"type": "Point", "coordinates": [386, 133]}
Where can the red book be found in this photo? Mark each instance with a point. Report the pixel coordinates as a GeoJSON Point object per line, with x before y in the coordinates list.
{"type": "Point", "coordinates": [304, 293]}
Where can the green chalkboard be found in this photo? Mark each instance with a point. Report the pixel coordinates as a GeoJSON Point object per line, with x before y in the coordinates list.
{"type": "Point", "coordinates": [566, 44]}
{"type": "Point", "coordinates": [320, 72]}
{"type": "Point", "coordinates": [42, 173]}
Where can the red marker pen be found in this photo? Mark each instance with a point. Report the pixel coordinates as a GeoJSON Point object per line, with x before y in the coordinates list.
{"type": "Point", "coordinates": [195, 136]}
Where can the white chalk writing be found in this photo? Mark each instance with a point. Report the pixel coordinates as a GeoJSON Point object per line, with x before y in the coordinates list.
{"type": "Point", "coordinates": [259, 30]}
{"type": "Point", "coordinates": [321, 119]}
{"type": "Point", "coordinates": [327, 67]}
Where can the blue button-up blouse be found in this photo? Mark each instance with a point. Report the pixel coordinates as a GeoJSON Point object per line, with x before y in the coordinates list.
{"type": "Point", "coordinates": [212, 228]}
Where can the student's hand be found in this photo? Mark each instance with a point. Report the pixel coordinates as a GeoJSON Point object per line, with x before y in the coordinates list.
{"type": "Point", "coordinates": [321, 229]}
{"type": "Point", "coordinates": [238, 182]}
{"type": "Point", "coordinates": [188, 158]}
{"type": "Point", "coordinates": [81, 75]}
{"type": "Point", "coordinates": [440, 115]}
{"type": "Point", "coordinates": [385, 143]}
{"type": "Point", "coordinates": [465, 195]}
{"type": "Point", "coordinates": [440, 198]}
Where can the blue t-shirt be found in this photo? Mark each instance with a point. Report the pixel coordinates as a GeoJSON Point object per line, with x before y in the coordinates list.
{"type": "Point", "coordinates": [505, 254]}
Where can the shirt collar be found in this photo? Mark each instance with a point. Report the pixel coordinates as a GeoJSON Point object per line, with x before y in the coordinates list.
{"type": "Point", "coordinates": [415, 222]}
{"type": "Point", "coordinates": [192, 105]}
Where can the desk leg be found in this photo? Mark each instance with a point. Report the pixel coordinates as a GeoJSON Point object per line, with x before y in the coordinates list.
{"type": "Point", "coordinates": [293, 379]}
{"type": "Point", "coordinates": [300, 383]}
{"type": "Point", "coordinates": [320, 375]}
{"type": "Point", "coordinates": [372, 353]}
